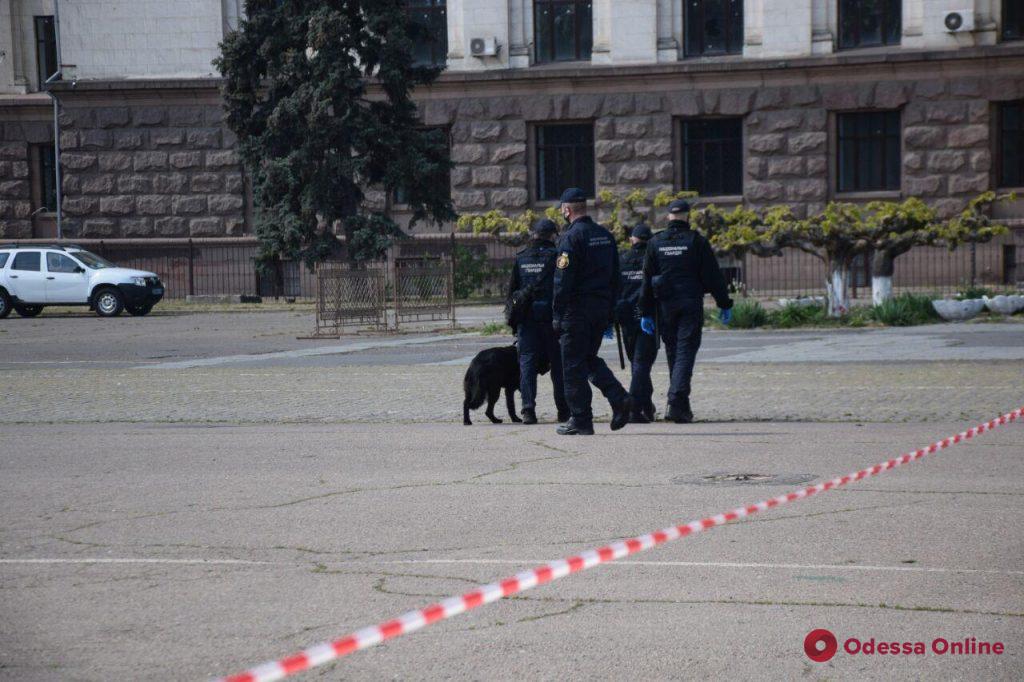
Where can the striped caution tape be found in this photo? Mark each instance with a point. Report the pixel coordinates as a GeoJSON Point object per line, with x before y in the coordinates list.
{"type": "Point", "coordinates": [453, 606]}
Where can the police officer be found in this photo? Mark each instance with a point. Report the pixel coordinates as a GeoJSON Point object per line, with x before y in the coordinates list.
{"type": "Point", "coordinates": [586, 289]}
{"type": "Point", "coordinates": [641, 349]}
{"type": "Point", "coordinates": [679, 268]}
{"type": "Point", "coordinates": [533, 278]}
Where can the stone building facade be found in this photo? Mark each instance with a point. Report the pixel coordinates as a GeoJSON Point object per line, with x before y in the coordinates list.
{"type": "Point", "coordinates": [145, 153]}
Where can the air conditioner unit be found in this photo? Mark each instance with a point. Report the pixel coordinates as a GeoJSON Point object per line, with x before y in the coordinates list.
{"type": "Point", "coordinates": [959, 20]}
{"type": "Point", "coordinates": [484, 47]}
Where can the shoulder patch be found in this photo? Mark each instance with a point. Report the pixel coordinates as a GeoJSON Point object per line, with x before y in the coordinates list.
{"type": "Point", "coordinates": [563, 261]}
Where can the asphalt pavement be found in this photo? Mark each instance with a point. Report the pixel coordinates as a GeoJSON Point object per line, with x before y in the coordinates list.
{"type": "Point", "coordinates": [187, 495]}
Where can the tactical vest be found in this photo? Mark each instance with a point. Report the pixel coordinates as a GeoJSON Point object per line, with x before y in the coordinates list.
{"type": "Point", "coordinates": [678, 266]}
{"type": "Point", "coordinates": [533, 263]}
{"type": "Point", "coordinates": [631, 265]}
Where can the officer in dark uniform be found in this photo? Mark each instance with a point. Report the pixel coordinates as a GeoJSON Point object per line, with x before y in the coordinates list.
{"type": "Point", "coordinates": [534, 276]}
{"type": "Point", "coordinates": [641, 349]}
{"type": "Point", "coordinates": [586, 289]}
{"type": "Point", "coordinates": [679, 268]}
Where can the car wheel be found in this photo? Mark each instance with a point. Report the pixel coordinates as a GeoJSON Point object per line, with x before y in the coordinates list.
{"type": "Point", "coordinates": [139, 311]}
{"type": "Point", "coordinates": [109, 302]}
{"type": "Point", "coordinates": [28, 310]}
{"type": "Point", "coordinates": [5, 304]}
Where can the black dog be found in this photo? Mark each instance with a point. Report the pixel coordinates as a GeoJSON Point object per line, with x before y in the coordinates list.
{"type": "Point", "coordinates": [490, 371]}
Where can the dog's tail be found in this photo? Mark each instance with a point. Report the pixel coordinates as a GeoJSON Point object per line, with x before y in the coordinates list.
{"type": "Point", "coordinates": [474, 389]}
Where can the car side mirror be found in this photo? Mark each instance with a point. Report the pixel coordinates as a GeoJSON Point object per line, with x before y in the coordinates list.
{"type": "Point", "coordinates": [78, 270]}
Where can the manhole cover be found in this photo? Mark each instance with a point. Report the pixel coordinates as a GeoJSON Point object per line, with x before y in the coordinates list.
{"type": "Point", "coordinates": [743, 478]}
{"type": "Point", "coordinates": [738, 478]}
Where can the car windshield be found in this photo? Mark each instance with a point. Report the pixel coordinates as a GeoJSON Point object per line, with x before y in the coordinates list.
{"type": "Point", "coordinates": [92, 260]}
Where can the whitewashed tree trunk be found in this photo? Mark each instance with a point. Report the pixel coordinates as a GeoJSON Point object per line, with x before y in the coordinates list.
{"type": "Point", "coordinates": [881, 289]}
{"type": "Point", "coordinates": [883, 266]}
{"type": "Point", "coordinates": [838, 287]}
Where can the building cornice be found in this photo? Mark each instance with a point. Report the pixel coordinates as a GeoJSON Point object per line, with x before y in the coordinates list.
{"type": "Point", "coordinates": [869, 64]}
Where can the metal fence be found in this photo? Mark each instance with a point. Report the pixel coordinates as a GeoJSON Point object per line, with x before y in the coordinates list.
{"type": "Point", "coordinates": [480, 267]}
{"type": "Point", "coordinates": [424, 289]}
{"type": "Point", "coordinates": [350, 297]}
{"type": "Point", "coordinates": [922, 270]}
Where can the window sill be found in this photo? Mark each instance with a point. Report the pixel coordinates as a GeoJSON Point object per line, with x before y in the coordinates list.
{"type": "Point", "coordinates": [542, 66]}
{"type": "Point", "coordinates": [720, 199]}
{"type": "Point", "coordinates": [870, 49]}
{"type": "Point", "coordinates": [869, 196]}
{"type": "Point", "coordinates": [712, 58]}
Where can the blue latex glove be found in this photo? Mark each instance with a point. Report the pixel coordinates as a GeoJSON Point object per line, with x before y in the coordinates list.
{"type": "Point", "coordinates": [608, 334]}
{"type": "Point", "coordinates": [725, 316]}
{"type": "Point", "coordinates": [647, 325]}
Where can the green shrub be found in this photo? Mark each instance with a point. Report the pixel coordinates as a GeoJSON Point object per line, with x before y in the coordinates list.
{"type": "Point", "coordinates": [476, 275]}
{"type": "Point", "coordinates": [972, 291]}
{"type": "Point", "coordinates": [795, 315]}
{"type": "Point", "coordinates": [496, 329]}
{"type": "Point", "coordinates": [748, 314]}
{"type": "Point", "coordinates": [859, 316]}
{"type": "Point", "coordinates": [905, 310]}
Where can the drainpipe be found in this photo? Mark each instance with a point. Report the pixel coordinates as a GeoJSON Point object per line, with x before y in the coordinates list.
{"type": "Point", "coordinates": [56, 122]}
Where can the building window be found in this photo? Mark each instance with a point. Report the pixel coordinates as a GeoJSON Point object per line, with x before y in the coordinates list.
{"type": "Point", "coordinates": [1011, 144]}
{"type": "Point", "coordinates": [430, 49]}
{"type": "Point", "coordinates": [565, 158]}
{"type": "Point", "coordinates": [868, 154]}
{"type": "Point", "coordinates": [713, 27]}
{"type": "Point", "coordinates": [563, 30]}
{"type": "Point", "coordinates": [1013, 20]}
{"type": "Point", "coordinates": [44, 191]}
{"type": "Point", "coordinates": [401, 195]}
{"type": "Point", "coordinates": [46, 49]}
{"type": "Point", "coordinates": [869, 23]}
{"type": "Point", "coordinates": [712, 155]}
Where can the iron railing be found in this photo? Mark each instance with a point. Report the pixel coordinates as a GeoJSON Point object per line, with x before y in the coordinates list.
{"type": "Point", "coordinates": [480, 267]}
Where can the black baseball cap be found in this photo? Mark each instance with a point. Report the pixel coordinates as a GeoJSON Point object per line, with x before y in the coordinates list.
{"type": "Point", "coordinates": [573, 195]}
{"type": "Point", "coordinates": [679, 206]}
{"type": "Point", "coordinates": [641, 231]}
{"type": "Point", "coordinates": [543, 228]}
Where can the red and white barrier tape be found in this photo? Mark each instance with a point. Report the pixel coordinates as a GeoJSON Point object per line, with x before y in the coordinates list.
{"type": "Point", "coordinates": [414, 620]}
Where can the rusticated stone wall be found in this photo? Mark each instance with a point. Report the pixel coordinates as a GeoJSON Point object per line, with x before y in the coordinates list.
{"type": "Point", "coordinates": [789, 138]}
{"type": "Point", "coordinates": [150, 171]}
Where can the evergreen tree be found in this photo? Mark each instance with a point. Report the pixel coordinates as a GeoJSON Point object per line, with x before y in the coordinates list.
{"type": "Point", "coordinates": [319, 95]}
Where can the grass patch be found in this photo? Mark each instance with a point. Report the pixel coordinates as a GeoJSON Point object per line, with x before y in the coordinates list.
{"type": "Point", "coordinates": [748, 314]}
{"type": "Point", "coordinates": [496, 329]}
{"type": "Point", "coordinates": [794, 315]}
{"type": "Point", "coordinates": [905, 310]}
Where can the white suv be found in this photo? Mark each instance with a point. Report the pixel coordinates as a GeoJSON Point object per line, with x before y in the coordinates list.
{"type": "Point", "coordinates": [32, 277]}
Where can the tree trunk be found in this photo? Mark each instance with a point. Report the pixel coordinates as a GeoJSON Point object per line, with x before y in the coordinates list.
{"type": "Point", "coordinates": [838, 287]}
{"type": "Point", "coordinates": [883, 265]}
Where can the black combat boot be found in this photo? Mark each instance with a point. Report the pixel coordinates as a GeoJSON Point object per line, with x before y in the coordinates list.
{"type": "Point", "coordinates": [621, 413]}
{"type": "Point", "coordinates": [680, 415]}
{"type": "Point", "coordinates": [570, 428]}
{"type": "Point", "coordinates": [528, 415]}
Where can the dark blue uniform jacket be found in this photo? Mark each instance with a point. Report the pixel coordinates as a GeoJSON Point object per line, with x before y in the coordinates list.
{"type": "Point", "coordinates": [587, 271]}
{"type": "Point", "coordinates": [680, 266]}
